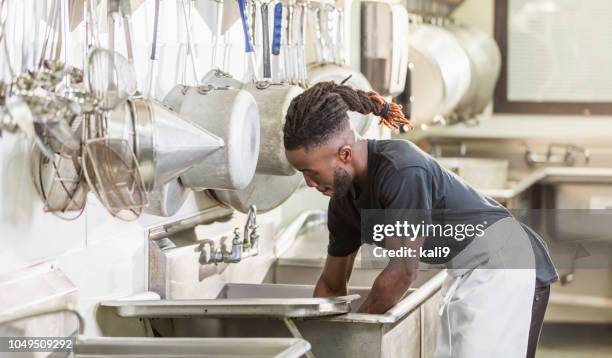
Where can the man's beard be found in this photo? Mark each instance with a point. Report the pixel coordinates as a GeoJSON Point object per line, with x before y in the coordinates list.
{"type": "Point", "coordinates": [342, 182]}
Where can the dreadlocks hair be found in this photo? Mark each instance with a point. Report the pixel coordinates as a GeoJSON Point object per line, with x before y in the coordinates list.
{"type": "Point", "coordinates": [320, 112]}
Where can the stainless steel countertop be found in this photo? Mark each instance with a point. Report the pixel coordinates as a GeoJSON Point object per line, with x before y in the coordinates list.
{"type": "Point", "coordinates": [522, 126]}
{"type": "Point", "coordinates": [552, 175]}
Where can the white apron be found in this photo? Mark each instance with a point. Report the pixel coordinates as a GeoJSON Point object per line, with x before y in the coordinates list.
{"type": "Point", "coordinates": [486, 311]}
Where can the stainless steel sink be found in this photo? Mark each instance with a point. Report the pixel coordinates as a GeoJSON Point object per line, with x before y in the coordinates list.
{"type": "Point", "coordinates": [407, 330]}
{"type": "Point", "coordinates": [570, 208]}
{"type": "Point", "coordinates": [582, 210]}
{"type": "Point", "coordinates": [575, 210]}
{"type": "Point", "coordinates": [189, 347]}
{"type": "Point", "coordinates": [581, 185]}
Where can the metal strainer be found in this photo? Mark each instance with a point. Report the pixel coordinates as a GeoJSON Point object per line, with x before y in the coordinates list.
{"type": "Point", "coordinates": [112, 172]}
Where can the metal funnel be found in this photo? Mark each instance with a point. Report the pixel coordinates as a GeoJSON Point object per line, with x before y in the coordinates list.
{"type": "Point", "coordinates": [166, 144]}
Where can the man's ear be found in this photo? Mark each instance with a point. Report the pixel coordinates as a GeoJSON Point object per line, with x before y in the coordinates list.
{"type": "Point", "coordinates": [345, 154]}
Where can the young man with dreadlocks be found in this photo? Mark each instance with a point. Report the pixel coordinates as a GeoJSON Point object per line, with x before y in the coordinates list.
{"type": "Point", "coordinates": [497, 290]}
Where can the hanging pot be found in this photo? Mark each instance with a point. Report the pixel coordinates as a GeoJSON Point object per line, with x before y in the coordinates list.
{"type": "Point", "coordinates": [167, 200]}
{"type": "Point", "coordinates": [485, 62]}
{"type": "Point", "coordinates": [440, 72]}
{"type": "Point", "coordinates": [384, 55]}
{"type": "Point", "coordinates": [330, 72]}
{"type": "Point", "coordinates": [464, 108]}
{"type": "Point", "coordinates": [273, 100]}
{"type": "Point", "coordinates": [230, 114]}
{"type": "Point", "coordinates": [273, 103]}
{"type": "Point", "coordinates": [266, 192]}
{"type": "Point", "coordinates": [219, 78]}
{"type": "Point", "coordinates": [276, 179]}
{"type": "Point", "coordinates": [488, 74]}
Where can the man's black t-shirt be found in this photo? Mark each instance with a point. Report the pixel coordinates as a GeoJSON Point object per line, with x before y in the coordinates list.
{"type": "Point", "coordinates": [402, 176]}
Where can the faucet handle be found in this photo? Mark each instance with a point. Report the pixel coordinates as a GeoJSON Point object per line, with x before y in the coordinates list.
{"type": "Point", "coordinates": [438, 146]}
{"type": "Point", "coordinates": [215, 254]}
{"type": "Point", "coordinates": [237, 238]}
{"type": "Point", "coordinates": [569, 158]}
{"type": "Point", "coordinates": [573, 149]}
{"type": "Point", "coordinates": [254, 235]}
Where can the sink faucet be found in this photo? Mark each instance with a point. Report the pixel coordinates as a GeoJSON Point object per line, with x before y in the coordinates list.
{"type": "Point", "coordinates": [437, 147]}
{"type": "Point", "coordinates": [250, 229]}
{"type": "Point", "coordinates": [568, 158]}
{"type": "Point", "coordinates": [242, 247]}
{"type": "Point", "coordinates": [570, 154]}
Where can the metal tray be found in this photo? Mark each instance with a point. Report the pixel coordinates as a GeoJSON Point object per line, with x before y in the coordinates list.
{"type": "Point", "coordinates": [263, 301]}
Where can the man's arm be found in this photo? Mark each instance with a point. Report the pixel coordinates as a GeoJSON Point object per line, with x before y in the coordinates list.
{"type": "Point", "coordinates": [393, 282]}
{"type": "Point", "coordinates": [335, 275]}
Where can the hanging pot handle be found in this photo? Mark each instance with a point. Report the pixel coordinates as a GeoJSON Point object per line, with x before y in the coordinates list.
{"type": "Point", "coordinates": [150, 92]}
{"type": "Point", "coordinates": [301, 39]}
{"type": "Point", "coordinates": [290, 65]}
{"type": "Point", "coordinates": [276, 41]}
{"type": "Point", "coordinates": [217, 35]}
{"type": "Point", "coordinates": [278, 28]}
{"type": "Point", "coordinates": [340, 39]}
{"type": "Point", "coordinates": [191, 47]}
{"type": "Point", "coordinates": [248, 45]}
{"type": "Point", "coordinates": [265, 40]}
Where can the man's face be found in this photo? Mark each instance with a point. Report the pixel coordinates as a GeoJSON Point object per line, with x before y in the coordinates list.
{"type": "Point", "coordinates": [324, 168]}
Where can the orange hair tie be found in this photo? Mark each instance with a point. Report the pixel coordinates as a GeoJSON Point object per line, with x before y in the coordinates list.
{"type": "Point", "coordinates": [391, 114]}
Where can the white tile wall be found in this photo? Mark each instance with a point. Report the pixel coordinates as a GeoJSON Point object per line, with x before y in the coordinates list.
{"type": "Point", "coordinates": [27, 233]}
{"type": "Point", "coordinates": [113, 268]}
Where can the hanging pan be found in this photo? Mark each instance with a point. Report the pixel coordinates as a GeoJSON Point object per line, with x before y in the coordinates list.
{"type": "Point", "coordinates": [267, 192]}
{"type": "Point", "coordinates": [276, 180]}
{"type": "Point", "coordinates": [223, 108]}
{"type": "Point", "coordinates": [167, 200]}
{"type": "Point", "coordinates": [440, 72]}
{"type": "Point", "coordinates": [273, 100]}
{"type": "Point", "coordinates": [485, 62]}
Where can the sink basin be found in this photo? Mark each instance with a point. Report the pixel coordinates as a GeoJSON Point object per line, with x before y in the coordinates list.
{"type": "Point", "coordinates": [481, 173]}
{"type": "Point", "coordinates": [303, 275]}
{"type": "Point", "coordinates": [189, 347]}
{"type": "Point", "coordinates": [304, 250]}
{"type": "Point", "coordinates": [409, 329]}
{"type": "Point", "coordinates": [572, 210]}
{"type": "Point", "coordinates": [573, 213]}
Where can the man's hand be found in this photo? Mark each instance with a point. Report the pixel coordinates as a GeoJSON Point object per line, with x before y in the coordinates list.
{"type": "Point", "coordinates": [393, 282]}
{"type": "Point", "coordinates": [335, 276]}
{"type": "Point", "coordinates": [388, 289]}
